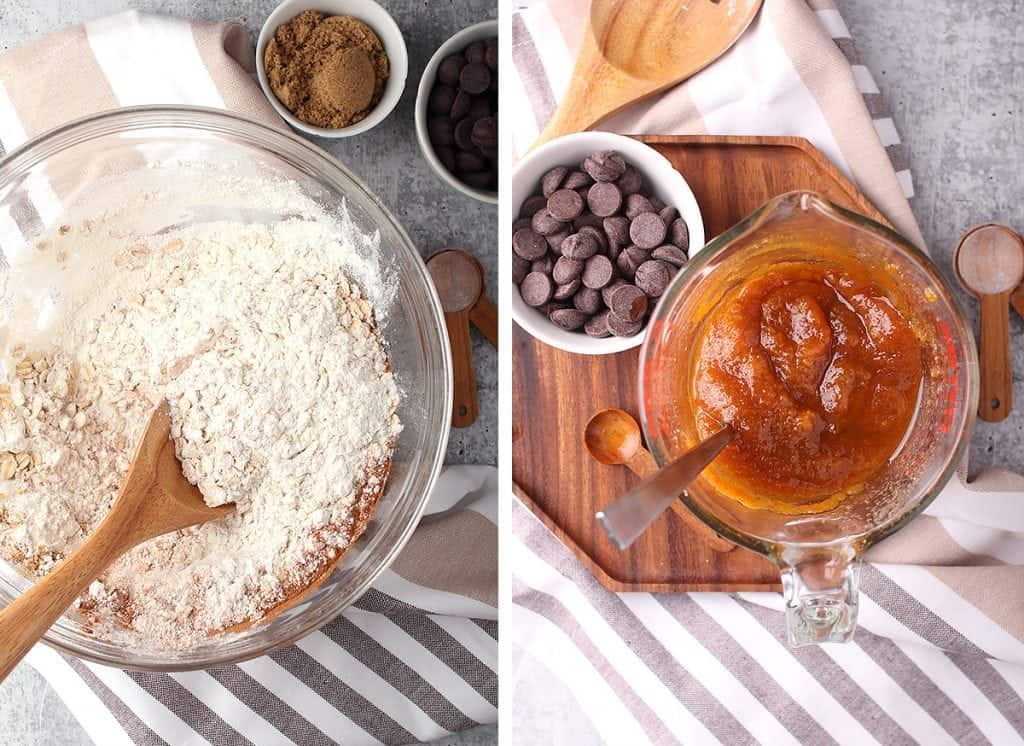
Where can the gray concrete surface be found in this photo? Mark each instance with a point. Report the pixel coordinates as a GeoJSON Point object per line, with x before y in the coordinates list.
{"type": "Point", "coordinates": [953, 75]}
{"type": "Point", "coordinates": [389, 161]}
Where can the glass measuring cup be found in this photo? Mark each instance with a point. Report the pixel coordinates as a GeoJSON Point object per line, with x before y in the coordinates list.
{"type": "Point", "coordinates": [818, 554]}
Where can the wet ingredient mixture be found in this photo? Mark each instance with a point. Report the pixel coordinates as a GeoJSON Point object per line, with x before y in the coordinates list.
{"type": "Point", "coordinates": [817, 369]}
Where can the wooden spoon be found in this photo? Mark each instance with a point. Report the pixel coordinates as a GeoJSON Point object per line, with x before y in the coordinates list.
{"type": "Point", "coordinates": [990, 264]}
{"type": "Point", "coordinates": [460, 285]}
{"type": "Point", "coordinates": [155, 499]}
{"type": "Point", "coordinates": [633, 49]}
{"type": "Point", "coordinates": [613, 438]}
{"type": "Point", "coordinates": [1017, 300]}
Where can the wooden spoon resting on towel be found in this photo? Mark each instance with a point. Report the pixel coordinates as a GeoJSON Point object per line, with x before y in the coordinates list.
{"type": "Point", "coordinates": [155, 499]}
{"type": "Point", "coordinates": [633, 49]}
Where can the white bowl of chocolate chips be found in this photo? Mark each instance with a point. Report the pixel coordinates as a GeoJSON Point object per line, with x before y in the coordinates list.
{"type": "Point", "coordinates": [603, 223]}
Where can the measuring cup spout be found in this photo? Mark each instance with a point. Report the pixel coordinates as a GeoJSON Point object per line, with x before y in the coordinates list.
{"type": "Point", "coordinates": [819, 587]}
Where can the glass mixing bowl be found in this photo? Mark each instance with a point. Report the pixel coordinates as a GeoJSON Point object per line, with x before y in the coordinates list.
{"type": "Point", "coordinates": [49, 178]}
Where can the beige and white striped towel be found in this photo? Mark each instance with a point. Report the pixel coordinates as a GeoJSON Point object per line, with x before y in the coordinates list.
{"type": "Point", "coordinates": [939, 656]}
{"type": "Point", "coordinates": [416, 658]}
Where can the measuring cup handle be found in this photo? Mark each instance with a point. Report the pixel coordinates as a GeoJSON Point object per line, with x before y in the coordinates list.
{"type": "Point", "coordinates": [820, 591]}
{"type": "Point", "coordinates": [996, 396]}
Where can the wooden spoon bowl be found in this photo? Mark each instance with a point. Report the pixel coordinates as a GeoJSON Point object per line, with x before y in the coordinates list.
{"type": "Point", "coordinates": [633, 49]}
{"type": "Point", "coordinates": [154, 500]}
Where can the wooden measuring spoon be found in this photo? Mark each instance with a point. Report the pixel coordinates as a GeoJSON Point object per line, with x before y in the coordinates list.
{"type": "Point", "coordinates": [1017, 300]}
{"type": "Point", "coordinates": [459, 285]}
{"type": "Point", "coordinates": [155, 499]}
{"type": "Point", "coordinates": [613, 437]}
{"type": "Point", "coordinates": [633, 49]}
{"type": "Point", "coordinates": [990, 263]}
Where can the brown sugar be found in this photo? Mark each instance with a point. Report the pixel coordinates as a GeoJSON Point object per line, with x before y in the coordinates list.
{"type": "Point", "coordinates": [329, 71]}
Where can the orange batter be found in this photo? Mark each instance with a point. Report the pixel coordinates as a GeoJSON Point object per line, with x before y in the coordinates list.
{"type": "Point", "coordinates": [817, 370]}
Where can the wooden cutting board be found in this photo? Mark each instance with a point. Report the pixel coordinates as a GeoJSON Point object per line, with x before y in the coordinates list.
{"type": "Point", "coordinates": [555, 392]}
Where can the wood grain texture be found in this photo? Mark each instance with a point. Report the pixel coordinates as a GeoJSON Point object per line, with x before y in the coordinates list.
{"type": "Point", "coordinates": [484, 316]}
{"type": "Point", "coordinates": [995, 397]}
{"type": "Point", "coordinates": [1017, 300]}
{"type": "Point", "coordinates": [632, 49]}
{"type": "Point", "coordinates": [155, 499]}
{"type": "Point", "coordinates": [555, 393]}
{"type": "Point", "coordinates": [464, 401]}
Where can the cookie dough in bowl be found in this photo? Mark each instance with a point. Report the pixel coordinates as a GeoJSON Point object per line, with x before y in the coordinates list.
{"type": "Point", "coordinates": [253, 283]}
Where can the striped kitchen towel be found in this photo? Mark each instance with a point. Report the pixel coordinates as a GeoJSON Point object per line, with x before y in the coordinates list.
{"type": "Point", "coordinates": [416, 658]}
{"type": "Point", "coordinates": [939, 654]}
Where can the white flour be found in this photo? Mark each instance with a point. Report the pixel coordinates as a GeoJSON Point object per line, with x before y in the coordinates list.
{"type": "Point", "coordinates": [282, 401]}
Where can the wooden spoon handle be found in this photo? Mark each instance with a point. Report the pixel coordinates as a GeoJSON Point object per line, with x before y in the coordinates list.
{"type": "Point", "coordinates": [464, 403]}
{"type": "Point", "coordinates": [484, 316]}
{"type": "Point", "coordinates": [996, 398]}
{"type": "Point", "coordinates": [644, 466]}
{"type": "Point", "coordinates": [1017, 300]}
{"type": "Point", "coordinates": [596, 90]}
{"type": "Point", "coordinates": [24, 621]}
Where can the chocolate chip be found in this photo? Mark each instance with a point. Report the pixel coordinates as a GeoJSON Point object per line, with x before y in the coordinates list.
{"type": "Point", "coordinates": [521, 223]}
{"type": "Point", "coordinates": [577, 180]}
{"type": "Point", "coordinates": [587, 218]}
{"type": "Point", "coordinates": [475, 78]}
{"type": "Point", "coordinates": [598, 326]}
{"type": "Point", "coordinates": [629, 303]}
{"type": "Point", "coordinates": [446, 155]}
{"type": "Point", "coordinates": [657, 204]}
{"type": "Point", "coordinates": [653, 277]}
{"type": "Point", "coordinates": [668, 214]}
{"type": "Point", "coordinates": [441, 99]}
{"type": "Point", "coordinates": [631, 258]}
{"type": "Point", "coordinates": [569, 319]}
{"type": "Point", "coordinates": [449, 69]}
{"type": "Point", "coordinates": [588, 300]}
{"type": "Point", "coordinates": [544, 264]}
{"type": "Point", "coordinates": [545, 223]}
{"type": "Point", "coordinates": [463, 134]}
{"type": "Point", "coordinates": [566, 270]}
{"type": "Point", "coordinates": [441, 131]}
{"type": "Point", "coordinates": [536, 289]}
{"type": "Point", "coordinates": [476, 52]}
{"type": "Point", "coordinates": [579, 246]}
{"type": "Point", "coordinates": [520, 268]}
{"type": "Point", "coordinates": [604, 199]}
{"type": "Point", "coordinates": [636, 204]}
{"type": "Point", "coordinates": [647, 230]}
{"type": "Point", "coordinates": [568, 290]}
{"type": "Point", "coordinates": [485, 133]}
{"type": "Point", "coordinates": [679, 234]}
{"type": "Point", "coordinates": [529, 244]}
{"type": "Point", "coordinates": [605, 165]}
{"type": "Point", "coordinates": [467, 163]}
{"type": "Point", "coordinates": [531, 205]}
{"type": "Point", "coordinates": [554, 305]}
{"type": "Point", "coordinates": [555, 241]}
{"type": "Point", "coordinates": [552, 180]}
{"type": "Point", "coordinates": [608, 291]}
{"type": "Point", "coordinates": [598, 271]}
{"type": "Point", "coordinates": [631, 181]}
{"type": "Point", "coordinates": [622, 328]}
{"type": "Point", "coordinates": [598, 234]}
{"type": "Point", "coordinates": [481, 107]}
{"type": "Point", "coordinates": [565, 204]}
{"type": "Point", "coordinates": [481, 179]}
{"type": "Point", "coordinates": [491, 54]}
{"type": "Point", "coordinates": [617, 230]}
{"type": "Point", "coordinates": [460, 105]}
{"type": "Point", "coordinates": [671, 255]}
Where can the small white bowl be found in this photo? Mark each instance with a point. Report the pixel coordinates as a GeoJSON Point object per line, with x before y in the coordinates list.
{"type": "Point", "coordinates": [458, 42]}
{"type": "Point", "coordinates": [374, 16]}
{"type": "Point", "coordinates": [660, 177]}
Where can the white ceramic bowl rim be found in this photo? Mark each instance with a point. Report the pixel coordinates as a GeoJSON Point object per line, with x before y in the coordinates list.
{"type": "Point", "coordinates": [377, 18]}
{"type": "Point", "coordinates": [659, 175]}
{"type": "Point", "coordinates": [456, 42]}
